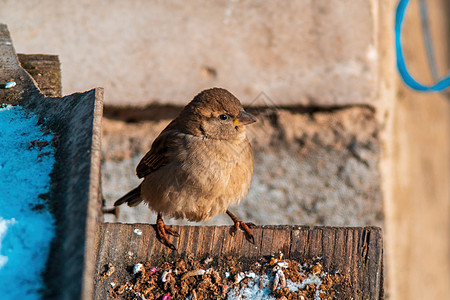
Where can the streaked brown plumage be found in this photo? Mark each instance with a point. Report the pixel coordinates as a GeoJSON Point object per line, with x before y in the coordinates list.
{"type": "Point", "coordinates": [200, 163]}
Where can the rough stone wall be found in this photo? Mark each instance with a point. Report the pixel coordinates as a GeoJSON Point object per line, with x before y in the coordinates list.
{"type": "Point", "coordinates": [315, 167]}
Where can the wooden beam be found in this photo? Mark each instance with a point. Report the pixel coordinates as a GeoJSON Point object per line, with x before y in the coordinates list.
{"type": "Point", "coordinates": [45, 70]}
{"type": "Point", "coordinates": [354, 252]}
{"type": "Point", "coordinates": [75, 181]}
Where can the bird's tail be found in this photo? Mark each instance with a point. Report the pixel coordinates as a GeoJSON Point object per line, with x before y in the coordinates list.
{"type": "Point", "coordinates": [132, 198]}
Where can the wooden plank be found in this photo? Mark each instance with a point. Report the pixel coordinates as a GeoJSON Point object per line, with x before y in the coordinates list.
{"type": "Point", "coordinates": [75, 181]}
{"type": "Point", "coordinates": [352, 252]}
{"type": "Point", "coordinates": [45, 70]}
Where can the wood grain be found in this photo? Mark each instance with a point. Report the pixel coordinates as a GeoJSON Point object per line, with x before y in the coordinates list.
{"type": "Point", "coordinates": [45, 70]}
{"type": "Point", "coordinates": [356, 252]}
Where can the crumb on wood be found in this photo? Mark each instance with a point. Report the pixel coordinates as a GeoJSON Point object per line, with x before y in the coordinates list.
{"type": "Point", "coordinates": [227, 277]}
{"type": "Point", "coordinates": [109, 270]}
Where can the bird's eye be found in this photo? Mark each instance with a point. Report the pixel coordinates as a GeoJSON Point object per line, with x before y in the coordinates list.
{"type": "Point", "coordinates": [223, 117]}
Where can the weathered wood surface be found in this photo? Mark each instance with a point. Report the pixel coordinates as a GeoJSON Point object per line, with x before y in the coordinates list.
{"type": "Point", "coordinates": [75, 181]}
{"type": "Point", "coordinates": [357, 252]}
{"type": "Point", "coordinates": [45, 70]}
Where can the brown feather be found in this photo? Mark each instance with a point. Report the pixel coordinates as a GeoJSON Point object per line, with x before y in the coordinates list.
{"type": "Point", "coordinates": [157, 156]}
{"type": "Point", "coordinates": [132, 198]}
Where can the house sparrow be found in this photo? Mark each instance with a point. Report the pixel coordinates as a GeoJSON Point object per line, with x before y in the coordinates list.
{"type": "Point", "coordinates": [199, 164]}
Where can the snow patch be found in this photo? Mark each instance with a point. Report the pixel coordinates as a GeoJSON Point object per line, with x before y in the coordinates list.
{"type": "Point", "coordinates": [26, 225]}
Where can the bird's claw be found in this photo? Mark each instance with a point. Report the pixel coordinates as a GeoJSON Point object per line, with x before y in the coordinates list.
{"type": "Point", "coordinates": [171, 246]}
{"type": "Point", "coordinates": [171, 231]}
{"type": "Point", "coordinates": [246, 228]}
{"type": "Point", "coordinates": [163, 230]}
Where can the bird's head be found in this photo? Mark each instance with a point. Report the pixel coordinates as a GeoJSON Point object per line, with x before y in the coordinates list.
{"type": "Point", "coordinates": [217, 114]}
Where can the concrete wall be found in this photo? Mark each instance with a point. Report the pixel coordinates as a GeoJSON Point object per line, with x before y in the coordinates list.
{"type": "Point", "coordinates": [297, 52]}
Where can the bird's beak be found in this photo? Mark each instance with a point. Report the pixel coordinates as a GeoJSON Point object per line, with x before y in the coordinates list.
{"type": "Point", "coordinates": [244, 118]}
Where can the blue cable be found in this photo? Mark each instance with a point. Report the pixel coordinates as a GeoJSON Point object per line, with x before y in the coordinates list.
{"type": "Point", "coordinates": [401, 65]}
{"type": "Point", "coordinates": [427, 40]}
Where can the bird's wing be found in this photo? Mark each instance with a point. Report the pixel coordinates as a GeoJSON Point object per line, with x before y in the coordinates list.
{"type": "Point", "coordinates": [157, 157]}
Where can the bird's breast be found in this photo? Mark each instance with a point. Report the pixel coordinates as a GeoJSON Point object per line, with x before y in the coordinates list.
{"type": "Point", "coordinates": [203, 178]}
{"type": "Point", "coordinates": [217, 162]}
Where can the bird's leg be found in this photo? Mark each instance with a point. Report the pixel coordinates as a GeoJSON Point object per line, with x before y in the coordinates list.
{"type": "Point", "coordinates": [245, 226]}
{"type": "Point", "coordinates": [163, 229]}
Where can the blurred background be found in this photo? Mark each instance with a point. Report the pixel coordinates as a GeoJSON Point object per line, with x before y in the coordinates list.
{"type": "Point", "coordinates": [340, 140]}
